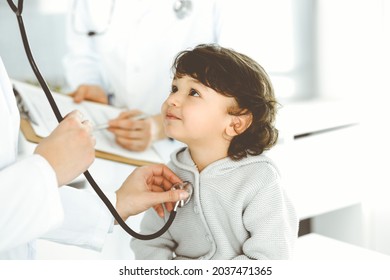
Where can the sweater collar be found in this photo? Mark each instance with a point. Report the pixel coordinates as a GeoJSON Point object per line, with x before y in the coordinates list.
{"type": "Point", "coordinates": [182, 159]}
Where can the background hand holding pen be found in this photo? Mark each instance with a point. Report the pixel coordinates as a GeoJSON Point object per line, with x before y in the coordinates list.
{"type": "Point", "coordinates": [102, 126]}
{"type": "Point", "coordinates": [133, 129]}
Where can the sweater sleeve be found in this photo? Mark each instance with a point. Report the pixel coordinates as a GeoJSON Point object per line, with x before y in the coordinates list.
{"type": "Point", "coordinates": [272, 223]}
{"type": "Point", "coordinates": [161, 248]}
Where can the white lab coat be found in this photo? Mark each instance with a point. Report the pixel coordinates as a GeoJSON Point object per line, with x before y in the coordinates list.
{"type": "Point", "coordinates": [30, 201]}
{"type": "Point", "coordinates": [133, 58]}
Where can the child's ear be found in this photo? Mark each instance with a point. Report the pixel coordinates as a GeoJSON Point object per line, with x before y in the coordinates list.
{"type": "Point", "coordinates": [239, 124]}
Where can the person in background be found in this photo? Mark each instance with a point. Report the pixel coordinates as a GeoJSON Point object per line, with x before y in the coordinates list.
{"type": "Point", "coordinates": [126, 61]}
{"type": "Point", "coordinates": [31, 203]}
{"type": "Point", "coordinates": [222, 106]}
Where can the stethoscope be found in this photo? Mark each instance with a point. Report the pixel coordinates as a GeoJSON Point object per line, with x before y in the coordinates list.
{"type": "Point", "coordinates": [185, 185]}
{"type": "Point", "coordinates": [181, 9]}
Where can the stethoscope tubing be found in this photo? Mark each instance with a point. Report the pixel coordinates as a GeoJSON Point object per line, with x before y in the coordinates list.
{"type": "Point", "coordinates": [18, 12]}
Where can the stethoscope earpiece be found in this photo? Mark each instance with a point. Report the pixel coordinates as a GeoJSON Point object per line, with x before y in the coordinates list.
{"type": "Point", "coordinates": [187, 186]}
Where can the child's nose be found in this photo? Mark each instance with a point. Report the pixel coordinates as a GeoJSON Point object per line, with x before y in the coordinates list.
{"type": "Point", "coordinates": [173, 100]}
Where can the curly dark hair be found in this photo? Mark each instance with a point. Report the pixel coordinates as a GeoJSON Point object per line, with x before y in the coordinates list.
{"type": "Point", "coordinates": [236, 75]}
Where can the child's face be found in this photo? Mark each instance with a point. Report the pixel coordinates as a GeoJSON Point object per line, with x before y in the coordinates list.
{"type": "Point", "coordinates": [194, 113]}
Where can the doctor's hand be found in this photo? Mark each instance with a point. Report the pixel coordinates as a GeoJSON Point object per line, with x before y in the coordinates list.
{"type": "Point", "coordinates": [69, 149]}
{"type": "Point", "coordinates": [134, 132]}
{"type": "Point", "coordinates": [148, 186]}
{"type": "Point", "coordinates": [91, 93]}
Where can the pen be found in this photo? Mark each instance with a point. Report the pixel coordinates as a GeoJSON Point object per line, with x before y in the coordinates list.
{"type": "Point", "coordinates": [106, 125]}
{"type": "Point", "coordinates": [101, 126]}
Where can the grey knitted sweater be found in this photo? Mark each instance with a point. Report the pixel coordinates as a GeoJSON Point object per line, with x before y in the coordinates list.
{"type": "Point", "coordinates": [238, 211]}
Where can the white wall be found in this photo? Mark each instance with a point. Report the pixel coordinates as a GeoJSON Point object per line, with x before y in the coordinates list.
{"type": "Point", "coordinates": [352, 64]}
{"type": "Point", "coordinates": [349, 48]}
{"type": "Point", "coordinates": [45, 26]}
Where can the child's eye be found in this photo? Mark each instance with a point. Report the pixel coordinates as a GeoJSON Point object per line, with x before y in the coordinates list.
{"type": "Point", "coordinates": [194, 93]}
{"type": "Point", "coordinates": [173, 89]}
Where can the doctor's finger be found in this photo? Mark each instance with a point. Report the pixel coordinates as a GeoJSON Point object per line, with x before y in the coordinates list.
{"type": "Point", "coordinates": [159, 209]}
{"type": "Point", "coordinates": [121, 123]}
{"type": "Point", "coordinates": [169, 206]}
{"type": "Point", "coordinates": [75, 114]}
{"type": "Point", "coordinates": [172, 197]}
{"type": "Point", "coordinates": [157, 188]}
{"type": "Point", "coordinates": [168, 196]}
{"type": "Point", "coordinates": [163, 171]}
{"type": "Point", "coordinates": [129, 114]}
{"type": "Point", "coordinates": [88, 126]}
{"type": "Point", "coordinates": [132, 144]}
{"type": "Point", "coordinates": [164, 183]}
{"type": "Point", "coordinates": [78, 95]}
{"type": "Point", "coordinates": [143, 125]}
{"type": "Point", "coordinates": [131, 134]}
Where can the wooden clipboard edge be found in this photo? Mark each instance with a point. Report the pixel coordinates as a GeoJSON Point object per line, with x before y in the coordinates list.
{"type": "Point", "coordinates": [28, 131]}
{"type": "Point", "coordinates": [31, 136]}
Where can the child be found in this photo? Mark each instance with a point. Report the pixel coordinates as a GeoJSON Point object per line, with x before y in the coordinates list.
{"type": "Point", "coordinates": [222, 106]}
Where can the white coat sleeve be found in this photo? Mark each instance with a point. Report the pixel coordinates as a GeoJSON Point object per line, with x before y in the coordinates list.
{"type": "Point", "coordinates": [87, 221]}
{"type": "Point", "coordinates": [82, 62]}
{"type": "Point", "coordinates": [29, 201]}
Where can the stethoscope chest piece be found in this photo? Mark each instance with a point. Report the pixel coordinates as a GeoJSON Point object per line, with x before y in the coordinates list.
{"type": "Point", "coordinates": [182, 8]}
{"type": "Point", "coordinates": [187, 186]}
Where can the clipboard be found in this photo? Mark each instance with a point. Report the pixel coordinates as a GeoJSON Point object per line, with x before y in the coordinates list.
{"type": "Point", "coordinates": [31, 136]}
{"type": "Point", "coordinates": [29, 122]}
